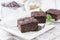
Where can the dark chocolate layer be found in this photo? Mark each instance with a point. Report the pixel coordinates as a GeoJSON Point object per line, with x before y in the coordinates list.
{"type": "Point", "coordinates": [40, 16]}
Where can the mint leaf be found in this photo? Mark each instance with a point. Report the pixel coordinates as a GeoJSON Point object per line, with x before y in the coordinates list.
{"type": "Point", "coordinates": [49, 17]}
{"type": "Point", "coordinates": [40, 10]}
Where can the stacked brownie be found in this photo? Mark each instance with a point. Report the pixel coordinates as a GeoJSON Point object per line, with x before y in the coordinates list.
{"type": "Point", "coordinates": [11, 4]}
{"type": "Point", "coordinates": [40, 16]}
{"type": "Point", "coordinates": [27, 24]}
{"type": "Point", "coordinates": [54, 13]}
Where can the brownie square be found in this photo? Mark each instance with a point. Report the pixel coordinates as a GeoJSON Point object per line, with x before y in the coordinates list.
{"type": "Point", "coordinates": [27, 24]}
{"type": "Point", "coordinates": [40, 16]}
{"type": "Point", "coordinates": [54, 13]}
{"type": "Point", "coordinates": [11, 4]}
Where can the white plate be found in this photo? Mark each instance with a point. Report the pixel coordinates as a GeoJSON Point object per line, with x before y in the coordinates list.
{"type": "Point", "coordinates": [10, 27]}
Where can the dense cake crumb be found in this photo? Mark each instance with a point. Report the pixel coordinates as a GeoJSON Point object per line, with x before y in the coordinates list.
{"type": "Point", "coordinates": [27, 24]}
{"type": "Point", "coordinates": [40, 16]}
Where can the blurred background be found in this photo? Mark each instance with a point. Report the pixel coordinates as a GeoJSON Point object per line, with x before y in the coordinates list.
{"type": "Point", "coordinates": [44, 4]}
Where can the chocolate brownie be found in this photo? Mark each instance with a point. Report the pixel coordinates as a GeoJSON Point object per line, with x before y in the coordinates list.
{"type": "Point", "coordinates": [54, 13]}
{"type": "Point", "coordinates": [40, 16]}
{"type": "Point", "coordinates": [27, 24]}
{"type": "Point", "coordinates": [11, 4]}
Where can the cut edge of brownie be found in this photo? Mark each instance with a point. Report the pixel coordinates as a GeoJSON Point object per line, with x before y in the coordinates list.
{"type": "Point", "coordinates": [29, 26]}
{"type": "Point", "coordinates": [40, 16]}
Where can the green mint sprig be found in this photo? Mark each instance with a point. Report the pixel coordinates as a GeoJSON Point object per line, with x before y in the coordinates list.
{"type": "Point", "coordinates": [49, 17]}
{"type": "Point", "coordinates": [40, 10]}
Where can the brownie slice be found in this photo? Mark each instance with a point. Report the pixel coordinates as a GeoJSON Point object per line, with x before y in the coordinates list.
{"type": "Point", "coordinates": [27, 24]}
{"type": "Point", "coordinates": [11, 4]}
{"type": "Point", "coordinates": [40, 16]}
{"type": "Point", "coordinates": [54, 13]}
